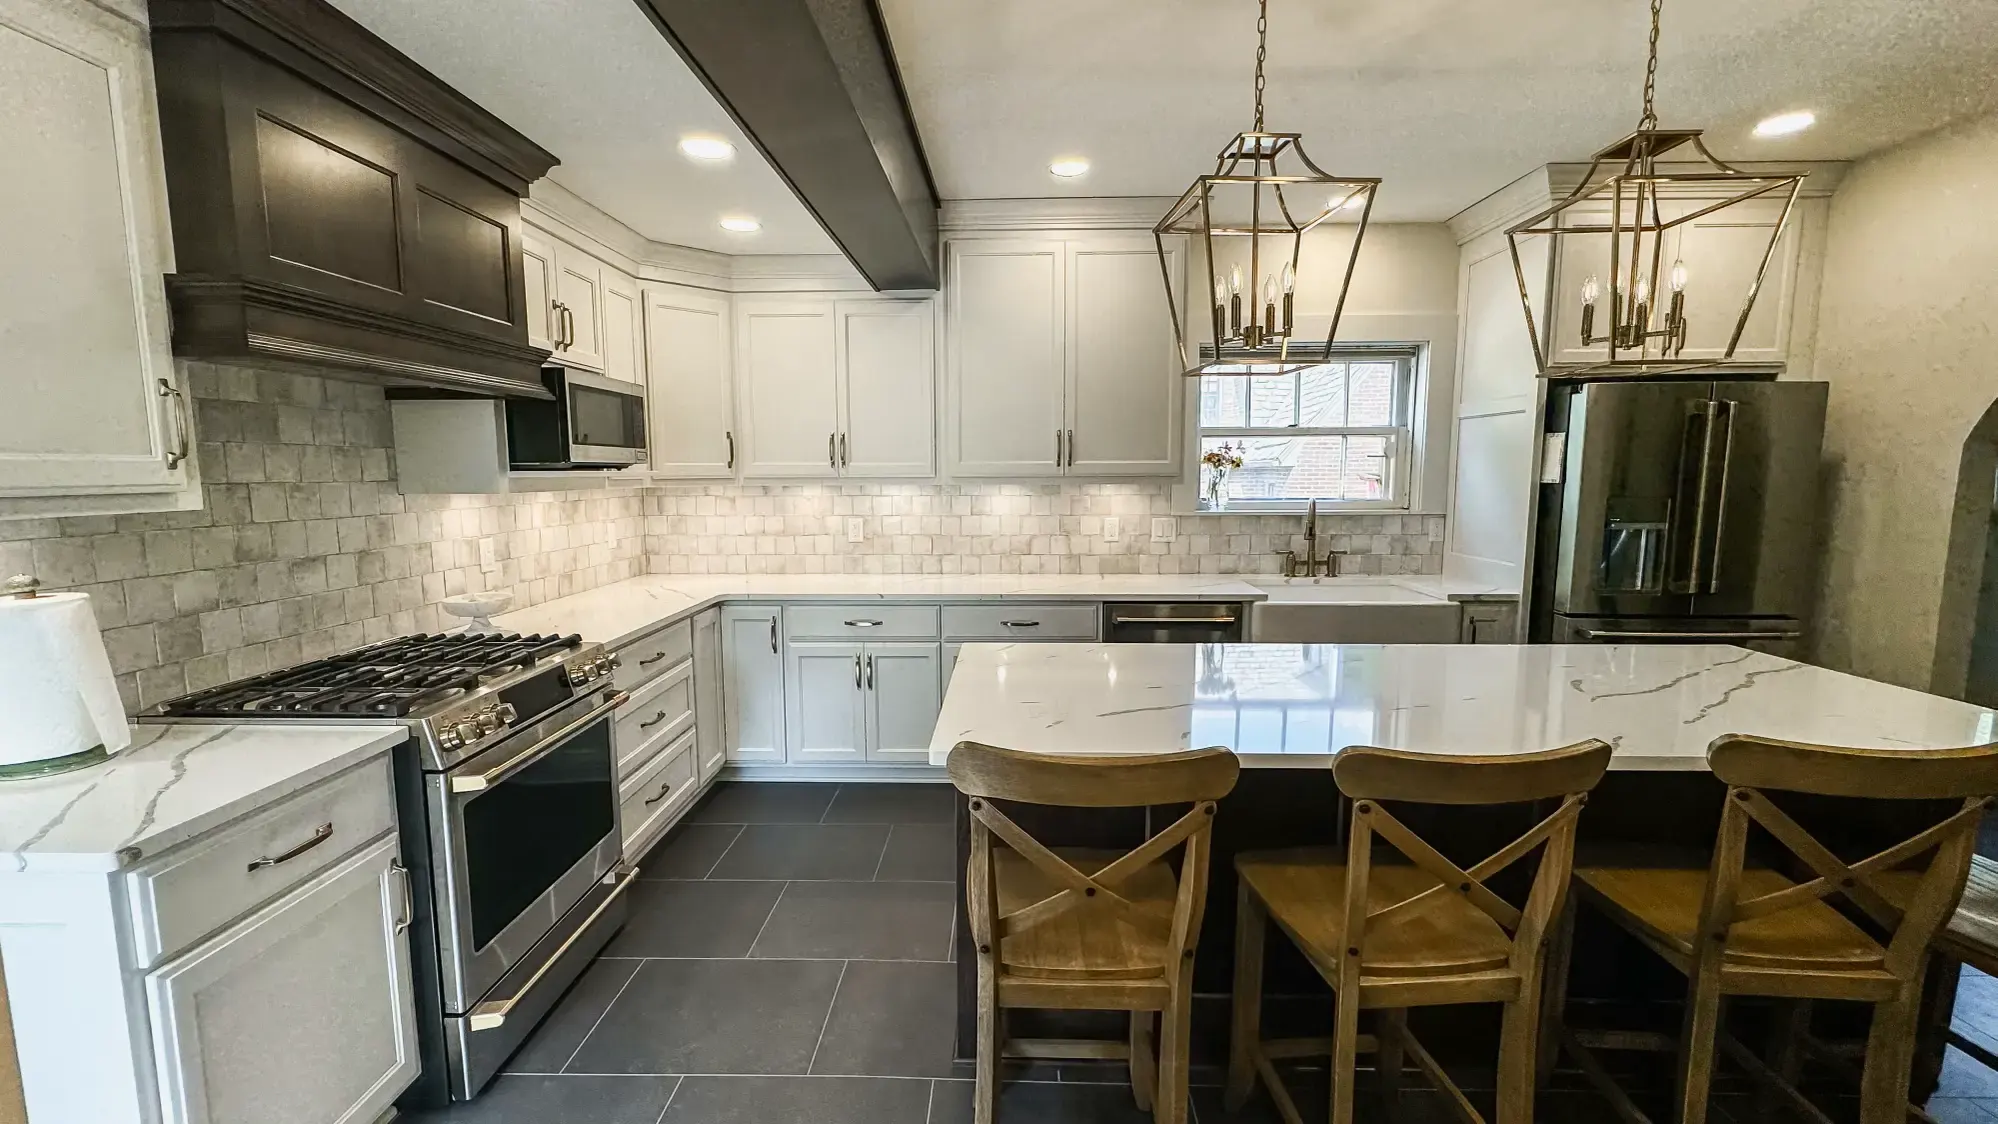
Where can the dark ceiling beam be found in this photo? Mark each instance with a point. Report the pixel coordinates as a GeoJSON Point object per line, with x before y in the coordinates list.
{"type": "Point", "coordinates": [814, 84]}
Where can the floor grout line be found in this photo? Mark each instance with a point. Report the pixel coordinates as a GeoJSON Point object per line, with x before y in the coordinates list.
{"type": "Point", "coordinates": [775, 902]}
{"type": "Point", "coordinates": [885, 840]}
{"type": "Point", "coordinates": [601, 1015]}
{"type": "Point", "coordinates": [828, 1019]}
{"type": "Point", "coordinates": [716, 865]}
{"type": "Point", "coordinates": [830, 803]}
{"type": "Point", "coordinates": [668, 1106]}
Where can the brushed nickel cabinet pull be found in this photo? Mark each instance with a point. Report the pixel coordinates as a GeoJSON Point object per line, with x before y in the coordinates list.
{"type": "Point", "coordinates": [324, 832]}
{"type": "Point", "coordinates": [730, 435]}
{"type": "Point", "coordinates": [870, 672]}
{"type": "Point", "coordinates": [843, 459]}
{"type": "Point", "coordinates": [663, 790]}
{"type": "Point", "coordinates": [652, 659]}
{"type": "Point", "coordinates": [1057, 448]}
{"type": "Point", "coordinates": [178, 453]}
{"type": "Point", "coordinates": [1021, 624]}
{"type": "Point", "coordinates": [408, 917]}
{"type": "Point", "coordinates": [856, 673]}
{"type": "Point", "coordinates": [862, 624]}
{"type": "Point", "coordinates": [773, 636]}
{"type": "Point", "coordinates": [653, 721]}
{"type": "Point", "coordinates": [1071, 449]}
{"type": "Point", "coordinates": [832, 450]}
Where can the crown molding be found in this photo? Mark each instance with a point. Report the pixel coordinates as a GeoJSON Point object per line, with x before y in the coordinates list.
{"type": "Point", "coordinates": [1540, 187]}
{"type": "Point", "coordinates": [1100, 213]}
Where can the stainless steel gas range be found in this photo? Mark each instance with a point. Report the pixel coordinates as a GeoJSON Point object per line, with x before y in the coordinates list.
{"type": "Point", "coordinates": [507, 793]}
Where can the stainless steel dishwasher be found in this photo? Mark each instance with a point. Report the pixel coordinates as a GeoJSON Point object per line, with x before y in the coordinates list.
{"type": "Point", "coordinates": [1177, 622]}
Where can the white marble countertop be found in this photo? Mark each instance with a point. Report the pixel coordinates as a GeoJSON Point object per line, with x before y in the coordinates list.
{"type": "Point", "coordinates": [626, 610]}
{"type": "Point", "coordinates": [175, 782]}
{"type": "Point", "coordinates": [1286, 705]}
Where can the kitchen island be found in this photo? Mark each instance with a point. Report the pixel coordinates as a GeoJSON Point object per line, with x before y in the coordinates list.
{"type": "Point", "coordinates": [1287, 711]}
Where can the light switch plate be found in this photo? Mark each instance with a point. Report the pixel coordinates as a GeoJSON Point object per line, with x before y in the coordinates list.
{"type": "Point", "coordinates": [1110, 530]}
{"type": "Point", "coordinates": [1164, 528]}
{"type": "Point", "coordinates": [856, 530]}
{"type": "Point", "coordinates": [488, 556]}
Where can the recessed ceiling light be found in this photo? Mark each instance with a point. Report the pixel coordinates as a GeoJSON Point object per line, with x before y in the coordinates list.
{"type": "Point", "coordinates": [1069, 169]}
{"type": "Point", "coordinates": [741, 224]}
{"type": "Point", "coordinates": [707, 148]}
{"type": "Point", "coordinates": [1785, 124]}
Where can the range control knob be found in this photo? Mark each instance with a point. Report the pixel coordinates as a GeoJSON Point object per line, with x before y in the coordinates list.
{"type": "Point", "coordinates": [467, 731]}
{"type": "Point", "coordinates": [489, 720]}
{"type": "Point", "coordinates": [506, 713]}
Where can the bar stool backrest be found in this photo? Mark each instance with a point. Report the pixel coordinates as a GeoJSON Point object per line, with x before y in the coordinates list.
{"type": "Point", "coordinates": [1371, 775]}
{"type": "Point", "coordinates": [986, 773]}
{"type": "Point", "coordinates": [1752, 766]}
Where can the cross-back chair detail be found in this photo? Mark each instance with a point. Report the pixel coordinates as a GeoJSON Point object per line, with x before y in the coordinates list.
{"type": "Point", "coordinates": [1742, 928]}
{"type": "Point", "coordinates": [1091, 930]}
{"type": "Point", "coordinates": [1429, 932]}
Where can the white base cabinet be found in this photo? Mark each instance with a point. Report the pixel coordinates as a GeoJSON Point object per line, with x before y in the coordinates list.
{"type": "Point", "coordinates": [753, 684]}
{"type": "Point", "coordinates": [862, 702]}
{"type": "Point", "coordinates": [320, 975]}
{"type": "Point", "coordinates": [904, 689]}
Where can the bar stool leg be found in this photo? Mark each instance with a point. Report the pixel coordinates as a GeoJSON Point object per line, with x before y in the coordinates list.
{"type": "Point", "coordinates": [985, 1094]}
{"type": "Point", "coordinates": [1391, 1029]}
{"type": "Point", "coordinates": [1519, 1053]}
{"type": "Point", "coordinates": [1890, 1053]}
{"type": "Point", "coordinates": [1554, 993]}
{"type": "Point", "coordinates": [1789, 1031]}
{"type": "Point", "coordinates": [1175, 1030]}
{"type": "Point", "coordinates": [1345, 1046]}
{"type": "Point", "coordinates": [1697, 1041]}
{"type": "Point", "coordinates": [1244, 1037]}
{"type": "Point", "coordinates": [1144, 1065]}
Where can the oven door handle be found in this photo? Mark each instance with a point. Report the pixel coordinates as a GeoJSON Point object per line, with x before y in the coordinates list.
{"type": "Point", "coordinates": [1731, 634]}
{"type": "Point", "coordinates": [492, 1014]}
{"type": "Point", "coordinates": [1114, 621]}
{"type": "Point", "coordinates": [478, 782]}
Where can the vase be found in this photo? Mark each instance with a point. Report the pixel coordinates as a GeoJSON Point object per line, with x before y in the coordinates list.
{"type": "Point", "coordinates": [1217, 488]}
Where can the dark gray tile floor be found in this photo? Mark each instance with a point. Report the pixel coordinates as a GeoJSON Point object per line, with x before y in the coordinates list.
{"type": "Point", "coordinates": [788, 959]}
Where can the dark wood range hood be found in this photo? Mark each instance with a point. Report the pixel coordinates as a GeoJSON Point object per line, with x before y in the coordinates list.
{"type": "Point", "coordinates": [336, 208]}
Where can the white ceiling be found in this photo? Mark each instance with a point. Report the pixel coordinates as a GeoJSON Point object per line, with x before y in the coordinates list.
{"type": "Point", "coordinates": [1447, 100]}
{"type": "Point", "coordinates": [596, 84]}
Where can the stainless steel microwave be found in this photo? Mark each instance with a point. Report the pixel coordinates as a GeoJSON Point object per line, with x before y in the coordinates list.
{"type": "Point", "coordinates": [592, 422]}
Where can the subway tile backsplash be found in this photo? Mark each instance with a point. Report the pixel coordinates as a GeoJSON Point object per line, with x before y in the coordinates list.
{"type": "Point", "coordinates": [304, 546]}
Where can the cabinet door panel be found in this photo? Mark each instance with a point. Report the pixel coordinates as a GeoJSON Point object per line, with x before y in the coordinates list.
{"type": "Point", "coordinates": [579, 287]}
{"type": "Point", "coordinates": [827, 719]}
{"type": "Point", "coordinates": [687, 369]}
{"type": "Point", "coordinates": [1006, 310]}
{"type": "Point", "coordinates": [791, 411]}
{"type": "Point", "coordinates": [321, 976]}
{"type": "Point", "coordinates": [622, 346]}
{"type": "Point", "coordinates": [538, 266]}
{"type": "Point", "coordinates": [1125, 387]}
{"type": "Point", "coordinates": [83, 221]}
{"type": "Point", "coordinates": [887, 364]}
{"type": "Point", "coordinates": [708, 740]}
{"type": "Point", "coordinates": [1722, 252]}
{"type": "Point", "coordinates": [753, 685]}
{"type": "Point", "coordinates": [903, 697]}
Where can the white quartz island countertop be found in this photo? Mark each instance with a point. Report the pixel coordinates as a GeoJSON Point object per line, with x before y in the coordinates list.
{"type": "Point", "coordinates": [175, 782]}
{"type": "Point", "coordinates": [1296, 706]}
{"type": "Point", "coordinates": [626, 610]}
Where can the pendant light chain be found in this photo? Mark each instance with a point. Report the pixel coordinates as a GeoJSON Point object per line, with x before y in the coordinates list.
{"type": "Point", "coordinates": [1650, 119]}
{"type": "Point", "coordinates": [1262, 53]}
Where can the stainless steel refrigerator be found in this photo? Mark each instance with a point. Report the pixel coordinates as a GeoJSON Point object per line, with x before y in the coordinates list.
{"type": "Point", "coordinates": [1679, 512]}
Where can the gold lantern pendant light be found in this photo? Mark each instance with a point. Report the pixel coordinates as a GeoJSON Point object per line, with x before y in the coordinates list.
{"type": "Point", "coordinates": [1643, 211]}
{"type": "Point", "coordinates": [1263, 184]}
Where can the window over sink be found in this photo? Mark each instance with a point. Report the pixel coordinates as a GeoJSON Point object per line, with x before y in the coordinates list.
{"type": "Point", "coordinates": [1336, 432]}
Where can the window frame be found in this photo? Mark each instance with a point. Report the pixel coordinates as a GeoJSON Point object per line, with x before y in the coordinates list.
{"type": "Point", "coordinates": [1401, 438]}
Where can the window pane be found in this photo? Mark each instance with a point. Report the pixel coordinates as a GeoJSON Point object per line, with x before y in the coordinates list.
{"type": "Point", "coordinates": [1323, 394]}
{"type": "Point", "coordinates": [1300, 468]}
{"type": "Point", "coordinates": [1223, 401]}
{"type": "Point", "coordinates": [1272, 400]}
{"type": "Point", "coordinates": [1372, 391]}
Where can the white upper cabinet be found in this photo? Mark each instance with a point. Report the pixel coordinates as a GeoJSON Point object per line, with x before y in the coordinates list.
{"type": "Point", "coordinates": [624, 336]}
{"type": "Point", "coordinates": [785, 363]}
{"type": "Point", "coordinates": [1061, 358]}
{"type": "Point", "coordinates": [691, 404]}
{"type": "Point", "coordinates": [1004, 351]}
{"type": "Point", "coordinates": [579, 299]}
{"type": "Point", "coordinates": [887, 377]}
{"type": "Point", "coordinates": [544, 326]}
{"type": "Point", "coordinates": [1124, 384]}
{"type": "Point", "coordinates": [95, 418]}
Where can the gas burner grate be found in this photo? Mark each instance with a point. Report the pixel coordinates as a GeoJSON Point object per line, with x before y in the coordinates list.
{"type": "Point", "coordinates": [389, 679]}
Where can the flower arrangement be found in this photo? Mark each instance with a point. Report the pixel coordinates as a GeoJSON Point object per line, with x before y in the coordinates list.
{"type": "Point", "coordinates": [1220, 461]}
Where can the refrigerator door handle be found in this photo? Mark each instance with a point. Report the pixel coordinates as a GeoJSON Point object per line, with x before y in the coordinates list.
{"type": "Point", "coordinates": [1691, 496]}
{"type": "Point", "coordinates": [1727, 409]}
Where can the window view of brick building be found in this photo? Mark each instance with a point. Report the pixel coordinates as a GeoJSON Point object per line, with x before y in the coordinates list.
{"type": "Point", "coordinates": [1333, 432]}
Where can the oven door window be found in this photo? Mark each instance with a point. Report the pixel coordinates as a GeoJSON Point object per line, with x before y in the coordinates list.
{"type": "Point", "coordinates": [605, 419]}
{"type": "Point", "coordinates": [527, 831]}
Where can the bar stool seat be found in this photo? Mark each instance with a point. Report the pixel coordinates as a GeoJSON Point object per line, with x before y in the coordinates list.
{"type": "Point", "coordinates": [1305, 892]}
{"type": "Point", "coordinates": [1662, 907]}
{"type": "Point", "coordinates": [1096, 939]}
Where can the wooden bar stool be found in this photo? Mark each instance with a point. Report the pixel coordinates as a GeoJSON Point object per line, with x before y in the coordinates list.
{"type": "Point", "coordinates": [1429, 933]}
{"type": "Point", "coordinates": [1089, 930]}
{"type": "Point", "coordinates": [1739, 928]}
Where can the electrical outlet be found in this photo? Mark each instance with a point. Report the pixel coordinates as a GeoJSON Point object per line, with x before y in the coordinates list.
{"type": "Point", "coordinates": [488, 556]}
{"type": "Point", "coordinates": [1164, 528]}
{"type": "Point", "coordinates": [1110, 530]}
{"type": "Point", "coordinates": [856, 529]}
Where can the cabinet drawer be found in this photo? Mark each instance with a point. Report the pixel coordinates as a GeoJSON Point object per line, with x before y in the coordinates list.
{"type": "Point", "coordinates": [658, 790]}
{"type": "Point", "coordinates": [658, 712]}
{"type": "Point", "coordinates": [861, 622]}
{"type": "Point", "coordinates": [194, 890]}
{"type": "Point", "coordinates": [652, 656]}
{"type": "Point", "coordinates": [1020, 622]}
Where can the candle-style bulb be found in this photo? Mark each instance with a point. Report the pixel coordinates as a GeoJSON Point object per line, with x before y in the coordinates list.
{"type": "Point", "coordinates": [1235, 280]}
{"type": "Point", "coordinates": [1220, 291]}
{"type": "Point", "coordinates": [1592, 289]}
{"type": "Point", "coordinates": [1679, 276]}
{"type": "Point", "coordinates": [1289, 279]}
{"type": "Point", "coordinates": [1269, 290]}
{"type": "Point", "coordinates": [1643, 293]}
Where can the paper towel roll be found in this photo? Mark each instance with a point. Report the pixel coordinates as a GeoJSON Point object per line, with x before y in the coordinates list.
{"type": "Point", "coordinates": [57, 696]}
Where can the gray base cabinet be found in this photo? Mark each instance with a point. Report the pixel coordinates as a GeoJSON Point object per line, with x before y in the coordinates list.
{"type": "Point", "coordinates": [862, 702]}
{"type": "Point", "coordinates": [753, 684]}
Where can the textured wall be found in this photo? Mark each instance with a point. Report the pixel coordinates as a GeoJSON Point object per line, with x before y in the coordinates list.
{"type": "Point", "coordinates": [304, 546]}
{"type": "Point", "coordinates": [999, 529]}
{"type": "Point", "coordinates": [1910, 301]}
